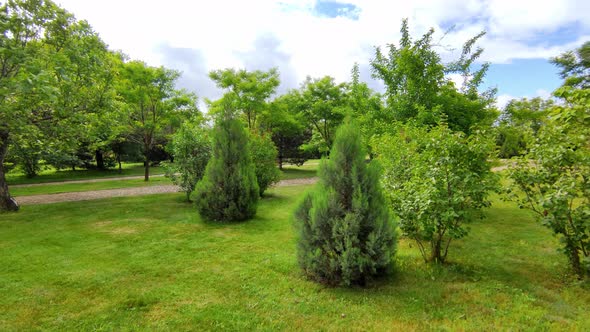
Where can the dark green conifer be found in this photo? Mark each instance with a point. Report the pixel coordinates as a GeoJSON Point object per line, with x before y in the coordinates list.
{"type": "Point", "coordinates": [228, 191]}
{"type": "Point", "coordinates": [346, 231]}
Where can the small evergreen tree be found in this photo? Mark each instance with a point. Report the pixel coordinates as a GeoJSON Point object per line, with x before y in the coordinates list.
{"type": "Point", "coordinates": [346, 231]}
{"type": "Point", "coordinates": [228, 191]}
{"type": "Point", "coordinates": [264, 156]}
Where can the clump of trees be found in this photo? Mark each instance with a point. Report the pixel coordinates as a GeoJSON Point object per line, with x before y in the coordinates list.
{"type": "Point", "coordinates": [346, 233]}
{"type": "Point", "coordinates": [553, 178]}
{"type": "Point", "coordinates": [436, 180]}
{"type": "Point", "coordinates": [229, 190]}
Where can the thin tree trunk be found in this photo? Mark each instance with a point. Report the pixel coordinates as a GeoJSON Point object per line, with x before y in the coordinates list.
{"type": "Point", "coordinates": [119, 161]}
{"type": "Point", "coordinates": [99, 160]}
{"type": "Point", "coordinates": [7, 203]}
{"type": "Point", "coordinates": [575, 260]}
{"type": "Point", "coordinates": [147, 168]}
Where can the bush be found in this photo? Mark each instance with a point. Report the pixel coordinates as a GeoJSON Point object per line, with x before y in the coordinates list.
{"type": "Point", "coordinates": [553, 179]}
{"type": "Point", "coordinates": [228, 191]}
{"type": "Point", "coordinates": [346, 234]}
{"type": "Point", "coordinates": [436, 181]}
{"type": "Point", "coordinates": [264, 156]}
{"type": "Point", "coordinates": [191, 148]}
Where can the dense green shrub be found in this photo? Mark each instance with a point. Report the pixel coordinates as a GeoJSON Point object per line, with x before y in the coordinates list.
{"type": "Point", "coordinates": [436, 181]}
{"type": "Point", "coordinates": [228, 191]}
{"type": "Point", "coordinates": [346, 233]}
{"type": "Point", "coordinates": [264, 156]}
{"type": "Point", "coordinates": [191, 148]}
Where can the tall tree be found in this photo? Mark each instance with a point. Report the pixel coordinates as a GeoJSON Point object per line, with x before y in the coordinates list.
{"type": "Point", "coordinates": [323, 103]}
{"type": "Point", "coordinates": [151, 102]}
{"type": "Point", "coordinates": [346, 233]}
{"type": "Point", "coordinates": [52, 75]}
{"type": "Point", "coordinates": [418, 89]}
{"type": "Point", "coordinates": [247, 91]}
{"type": "Point", "coordinates": [228, 191]}
{"type": "Point", "coordinates": [288, 128]}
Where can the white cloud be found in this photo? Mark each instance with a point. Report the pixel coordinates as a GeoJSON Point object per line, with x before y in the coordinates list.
{"type": "Point", "coordinates": [225, 33]}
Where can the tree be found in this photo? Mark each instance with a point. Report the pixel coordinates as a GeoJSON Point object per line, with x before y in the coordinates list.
{"type": "Point", "coordinates": [553, 178]}
{"type": "Point", "coordinates": [51, 78]}
{"type": "Point", "coordinates": [366, 107]}
{"type": "Point", "coordinates": [264, 156]}
{"type": "Point", "coordinates": [436, 181]}
{"type": "Point", "coordinates": [323, 103]}
{"type": "Point", "coordinates": [248, 92]}
{"type": "Point", "coordinates": [418, 90]}
{"type": "Point", "coordinates": [151, 102]}
{"type": "Point", "coordinates": [346, 234]}
{"type": "Point", "coordinates": [228, 191]}
{"type": "Point", "coordinates": [191, 148]}
{"type": "Point", "coordinates": [288, 128]}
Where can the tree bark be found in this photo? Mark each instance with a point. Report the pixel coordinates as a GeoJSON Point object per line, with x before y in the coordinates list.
{"type": "Point", "coordinates": [7, 203]}
{"type": "Point", "coordinates": [147, 168]}
{"type": "Point", "coordinates": [99, 160]}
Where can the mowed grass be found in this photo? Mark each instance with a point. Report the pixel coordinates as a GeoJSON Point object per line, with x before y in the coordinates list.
{"type": "Point", "coordinates": [290, 172]}
{"type": "Point", "coordinates": [150, 263]}
{"type": "Point", "coordinates": [91, 186]}
{"type": "Point", "coordinates": [52, 175]}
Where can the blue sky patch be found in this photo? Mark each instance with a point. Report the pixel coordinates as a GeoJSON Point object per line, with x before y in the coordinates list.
{"type": "Point", "coordinates": [523, 77]}
{"type": "Point", "coordinates": [334, 9]}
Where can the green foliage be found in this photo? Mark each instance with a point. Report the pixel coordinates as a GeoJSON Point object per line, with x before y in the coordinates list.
{"type": "Point", "coordinates": [264, 157]}
{"type": "Point", "coordinates": [288, 128]}
{"type": "Point", "coordinates": [191, 148]}
{"type": "Point", "coordinates": [152, 104]}
{"type": "Point", "coordinates": [553, 179]}
{"type": "Point", "coordinates": [510, 141]}
{"type": "Point", "coordinates": [247, 92]}
{"type": "Point", "coordinates": [323, 104]}
{"type": "Point", "coordinates": [417, 89]}
{"type": "Point", "coordinates": [346, 233]}
{"type": "Point", "coordinates": [575, 67]}
{"type": "Point", "coordinates": [436, 181]}
{"type": "Point", "coordinates": [228, 191]}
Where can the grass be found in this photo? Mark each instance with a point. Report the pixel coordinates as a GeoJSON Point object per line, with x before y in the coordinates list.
{"type": "Point", "coordinates": [52, 175]}
{"type": "Point", "coordinates": [78, 187]}
{"type": "Point", "coordinates": [309, 170]}
{"type": "Point", "coordinates": [305, 171]}
{"type": "Point", "coordinates": [150, 263]}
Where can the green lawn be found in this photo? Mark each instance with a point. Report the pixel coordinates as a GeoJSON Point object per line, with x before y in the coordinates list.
{"type": "Point", "coordinates": [51, 175]}
{"type": "Point", "coordinates": [309, 170]}
{"type": "Point", "coordinates": [150, 263]}
{"type": "Point", "coordinates": [77, 187]}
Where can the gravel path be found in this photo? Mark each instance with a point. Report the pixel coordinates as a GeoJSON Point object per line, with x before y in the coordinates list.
{"type": "Point", "coordinates": [137, 191]}
{"type": "Point", "coordinates": [85, 181]}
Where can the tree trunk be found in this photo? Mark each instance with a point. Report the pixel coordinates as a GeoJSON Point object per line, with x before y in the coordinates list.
{"type": "Point", "coordinates": [147, 168]}
{"type": "Point", "coordinates": [119, 161]}
{"type": "Point", "coordinates": [280, 162]}
{"type": "Point", "coordinates": [7, 203]}
{"type": "Point", "coordinates": [99, 160]}
{"type": "Point", "coordinates": [574, 257]}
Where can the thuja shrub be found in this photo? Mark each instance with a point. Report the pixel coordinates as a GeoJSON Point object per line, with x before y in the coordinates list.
{"type": "Point", "coordinates": [228, 191]}
{"type": "Point", "coordinates": [346, 233]}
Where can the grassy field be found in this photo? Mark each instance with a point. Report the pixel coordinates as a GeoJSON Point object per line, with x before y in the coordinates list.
{"type": "Point", "coordinates": [52, 175]}
{"type": "Point", "coordinates": [78, 187]}
{"type": "Point", "coordinates": [289, 172]}
{"type": "Point", "coordinates": [150, 263]}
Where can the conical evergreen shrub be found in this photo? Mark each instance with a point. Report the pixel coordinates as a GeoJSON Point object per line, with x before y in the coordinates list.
{"type": "Point", "coordinates": [228, 191]}
{"type": "Point", "coordinates": [346, 231]}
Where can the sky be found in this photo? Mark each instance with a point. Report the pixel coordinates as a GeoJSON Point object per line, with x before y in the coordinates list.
{"type": "Point", "coordinates": [317, 38]}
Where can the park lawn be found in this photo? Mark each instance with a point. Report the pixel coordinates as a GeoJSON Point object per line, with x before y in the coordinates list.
{"type": "Point", "coordinates": [150, 263]}
{"type": "Point", "coordinates": [307, 170]}
{"type": "Point", "coordinates": [52, 175]}
{"type": "Point", "coordinates": [90, 186]}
